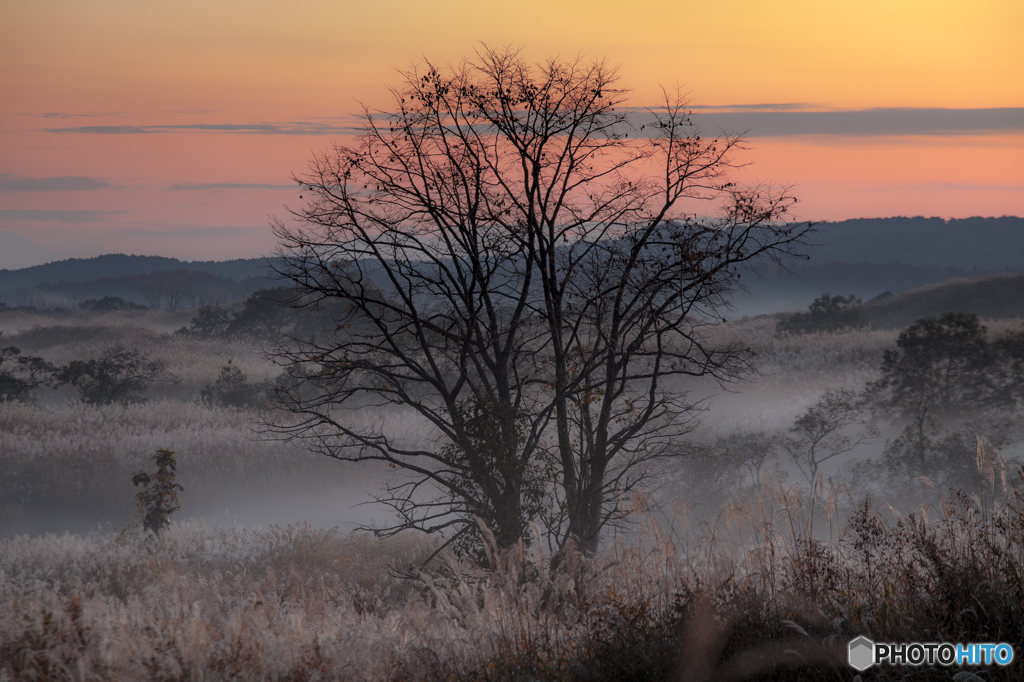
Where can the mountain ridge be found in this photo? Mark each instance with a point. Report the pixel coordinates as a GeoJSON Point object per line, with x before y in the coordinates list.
{"type": "Point", "coordinates": [863, 256]}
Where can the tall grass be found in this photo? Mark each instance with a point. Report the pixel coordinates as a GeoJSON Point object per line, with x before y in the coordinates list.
{"type": "Point", "coordinates": [773, 588]}
{"type": "Point", "coordinates": [194, 362]}
{"type": "Point", "coordinates": [70, 466]}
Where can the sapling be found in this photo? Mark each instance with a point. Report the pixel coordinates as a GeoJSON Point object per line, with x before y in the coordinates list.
{"type": "Point", "coordinates": [159, 496]}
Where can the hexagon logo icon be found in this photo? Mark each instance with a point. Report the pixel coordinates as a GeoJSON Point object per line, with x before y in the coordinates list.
{"type": "Point", "coordinates": [862, 653]}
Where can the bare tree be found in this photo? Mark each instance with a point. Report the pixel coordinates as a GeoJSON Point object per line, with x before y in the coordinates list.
{"type": "Point", "coordinates": [509, 240]}
{"type": "Point", "coordinates": [832, 427]}
{"type": "Point", "coordinates": [153, 295]}
{"type": "Point", "coordinates": [176, 295]}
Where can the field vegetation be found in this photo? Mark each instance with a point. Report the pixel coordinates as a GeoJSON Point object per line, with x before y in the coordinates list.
{"type": "Point", "coordinates": [737, 566]}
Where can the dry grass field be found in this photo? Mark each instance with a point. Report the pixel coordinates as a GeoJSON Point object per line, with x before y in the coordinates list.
{"type": "Point", "coordinates": [770, 585]}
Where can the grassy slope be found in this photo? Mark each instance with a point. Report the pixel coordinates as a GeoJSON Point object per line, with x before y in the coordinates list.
{"type": "Point", "coordinates": [991, 297]}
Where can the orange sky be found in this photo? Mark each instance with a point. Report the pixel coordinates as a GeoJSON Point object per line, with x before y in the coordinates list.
{"type": "Point", "coordinates": [108, 66]}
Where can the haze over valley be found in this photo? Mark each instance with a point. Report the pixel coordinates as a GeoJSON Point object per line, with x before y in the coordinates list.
{"type": "Point", "coordinates": [490, 342]}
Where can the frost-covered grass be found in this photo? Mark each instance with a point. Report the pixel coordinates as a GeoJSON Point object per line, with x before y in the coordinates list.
{"type": "Point", "coordinates": [161, 322]}
{"type": "Point", "coordinates": [252, 605]}
{"type": "Point", "coordinates": [193, 362]}
{"type": "Point", "coordinates": [70, 467]}
{"type": "Point", "coordinates": [755, 594]}
{"type": "Point", "coordinates": [771, 586]}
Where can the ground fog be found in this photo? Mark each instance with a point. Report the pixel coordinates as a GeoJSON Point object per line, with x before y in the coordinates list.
{"type": "Point", "coordinates": [262, 575]}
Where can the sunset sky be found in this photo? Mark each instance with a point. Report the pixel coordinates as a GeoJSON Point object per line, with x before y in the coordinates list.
{"type": "Point", "coordinates": [173, 128]}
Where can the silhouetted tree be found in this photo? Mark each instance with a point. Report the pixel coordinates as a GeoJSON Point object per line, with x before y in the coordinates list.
{"type": "Point", "coordinates": [120, 375]}
{"type": "Point", "coordinates": [233, 389]}
{"type": "Point", "coordinates": [506, 236]}
{"type": "Point", "coordinates": [825, 314]}
{"type": "Point", "coordinates": [209, 321]}
{"type": "Point", "coordinates": [830, 428]}
{"type": "Point", "coordinates": [158, 498]}
{"type": "Point", "coordinates": [21, 374]}
{"type": "Point", "coordinates": [264, 316]}
{"type": "Point", "coordinates": [720, 470]}
{"type": "Point", "coordinates": [945, 373]}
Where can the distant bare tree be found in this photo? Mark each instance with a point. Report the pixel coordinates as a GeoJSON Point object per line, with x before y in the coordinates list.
{"type": "Point", "coordinates": [506, 240]}
{"type": "Point", "coordinates": [177, 296]}
{"type": "Point", "coordinates": [153, 295]}
{"type": "Point", "coordinates": [830, 428]}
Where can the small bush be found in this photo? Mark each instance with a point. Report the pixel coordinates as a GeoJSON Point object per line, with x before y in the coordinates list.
{"type": "Point", "coordinates": [233, 389]}
{"type": "Point", "coordinates": [159, 496]}
{"type": "Point", "coordinates": [22, 374]}
{"type": "Point", "coordinates": [210, 321]}
{"type": "Point", "coordinates": [120, 375]}
{"type": "Point", "coordinates": [826, 314]}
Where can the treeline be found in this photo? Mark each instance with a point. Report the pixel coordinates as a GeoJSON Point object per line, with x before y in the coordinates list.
{"type": "Point", "coordinates": [123, 375]}
{"type": "Point", "coordinates": [994, 243]}
{"type": "Point", "coordinates": [945, 385]}
{"type": "Point", "coordinates": [119, 375]}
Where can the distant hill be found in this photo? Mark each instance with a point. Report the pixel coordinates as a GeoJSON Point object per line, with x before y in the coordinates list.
{"type": "Point", "coordinates": [120, 265]}
{"type": "Point", "coordinates": [993, 297]}
{"type": "Point", "coordinates": [983, 243]}
{"type": "Point", "coordinates": [777, 290]}
{"type": "Point", "coordinates": [870, 256]}
{"type": "Point", "coordinates": [177, 290]}
{"type": "Point", "coordinates": [861, 257]}
{"type": "Point", "coordinates": [153, 281]}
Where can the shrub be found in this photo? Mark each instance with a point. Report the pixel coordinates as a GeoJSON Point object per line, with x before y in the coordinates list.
{"type": "Point", "coordinates": [210, 321]}
{"type": "Point", "coordinates": [121, 375]}
{"type": "Point", "coordinates": [22, 374]}
{"type": "Point", "coordinates": [827, 313]}
{"type": "Point", "coordinates": [233, 389]}
{"type": "Point", "coordinates": [159, 496]}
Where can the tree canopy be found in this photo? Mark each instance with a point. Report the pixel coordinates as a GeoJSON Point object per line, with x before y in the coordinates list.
{"type": "Point", "coordinates": [518, 251]}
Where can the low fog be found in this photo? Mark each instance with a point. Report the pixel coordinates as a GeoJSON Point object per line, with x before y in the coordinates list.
{"type": "Point", "coordinates": [795, 508]}
{"type": "Point", "coordinates": [69, 464]}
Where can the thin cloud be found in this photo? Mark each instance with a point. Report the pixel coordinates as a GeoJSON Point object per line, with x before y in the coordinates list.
{"type": "Point", "coordinates": [63, 183]}
{"type": "Point", "coordinates": [783, 106]}
{"type": "Point", "coordinates": [56, 216]}
{"type": "Point", "coordinates": [294, 128]}
{"type": "Point", "coordinates": [202, 186]}
{"type": "Point", "coordinates": [756, 120]}
{"type": "Point", "coordinates": [104, 130]}
{"type": "Point", "coordinates": [862, 123]}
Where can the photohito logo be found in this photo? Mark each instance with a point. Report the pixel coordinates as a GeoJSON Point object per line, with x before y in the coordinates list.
{"type": "Point", "coordinates": [864, 653]}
